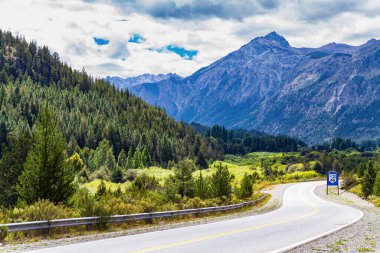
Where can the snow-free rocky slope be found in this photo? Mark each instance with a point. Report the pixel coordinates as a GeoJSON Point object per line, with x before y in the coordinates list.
{"type": "Point", "coordinates": [311, 93]}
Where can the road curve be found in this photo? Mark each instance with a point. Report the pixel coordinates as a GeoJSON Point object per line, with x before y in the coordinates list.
{"type": "Point", "coordinates": [302, 218]}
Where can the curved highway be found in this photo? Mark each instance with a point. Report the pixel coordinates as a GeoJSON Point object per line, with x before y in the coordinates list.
{"type": "Point", "coordinates": [302, 218]}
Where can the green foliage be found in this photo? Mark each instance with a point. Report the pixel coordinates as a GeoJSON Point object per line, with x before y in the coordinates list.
{"type": "Point", "coordinates": [376, 185]}
{"type": "Point", "coordinates": [102, 189]}
{"type": "Point", "coordinates": [171, 189]}
{"type": "Point", "coordinates": [11, 166]}
{"type": "Point", "coordinates": [88, 113]}
{"type": "Point", "coordinates": [368, 179]}
{"type": "Point", "coordinates": [145, 182]}
{"type": "Point", "coordinates": [47, 174]}
{"type": "Point", "coordinates": [349, 180]}
{"type": "Point", "coordinates": [375, 200]}
{"type": "Point", "coordinates": [202, 187]}
{"type": "Point", "coordinates": [3, 233]}
{"type": "Point", "coordinates": [241, 142]}
{"type": "Point", "coordinates": [43, 210]}
{"type": "Point", "coordinates": [221, 182]}
{"type": "Point", "coordinates": [184, 177]}
{"type": "Point", "coordinates": [122, 159]}
{"type": "Point", "coordinates": [246, 186]}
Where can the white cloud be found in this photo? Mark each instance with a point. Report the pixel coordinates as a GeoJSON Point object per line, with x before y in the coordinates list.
{"type": "Point", "coordinates": [68, 27]}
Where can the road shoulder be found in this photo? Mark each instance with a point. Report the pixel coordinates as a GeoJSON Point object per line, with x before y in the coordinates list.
{"type": "Point", "coordinates": [363, 236]}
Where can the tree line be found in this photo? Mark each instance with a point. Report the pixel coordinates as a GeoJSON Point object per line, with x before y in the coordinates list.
{"type": "Point", "coordinates": [241, 142]}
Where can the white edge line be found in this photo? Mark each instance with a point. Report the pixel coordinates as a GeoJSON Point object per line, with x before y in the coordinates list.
{"type": "Point", "coordinates": [297, 244]}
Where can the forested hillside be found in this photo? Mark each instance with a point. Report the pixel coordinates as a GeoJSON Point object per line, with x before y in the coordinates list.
{"type": "Point", "coordinates": [241, 142]}
{"type": "Point", "coordinates": [100, 123]}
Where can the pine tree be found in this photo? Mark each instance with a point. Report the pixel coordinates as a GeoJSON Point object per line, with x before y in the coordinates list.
{"type": "Point", "coordinates": [46, 174]}
{"type": "Point", "coordinates": [130, 162]}
{"type": "Point", "coordinates": [184, 176]}
{"type": "Point", "coordinates": [246, 186]}
{"type": "Point", "coordinates": [202, 189]}
{"type": "Point", "coordinates": [221, 182]}
{"type": "Point", "coordinates": [144, 158]}
{"type": "Point", "coordinates": [368, 180]}
{"type": "Point", "coordinates": [11, 166]}
{"type": "Point", "coordinates": [136, 159]}
{"type": "Point", "coordinates": [122, 159]}
{"type": "Point", "coordinates": [376, 186]}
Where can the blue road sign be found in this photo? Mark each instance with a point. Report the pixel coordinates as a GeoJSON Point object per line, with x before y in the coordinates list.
{"type": "Point", "coordinates": [332, 178]}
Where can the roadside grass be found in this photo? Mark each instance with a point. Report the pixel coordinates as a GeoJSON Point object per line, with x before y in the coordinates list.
{"type": "Point", "coordinates": [365, 250]}
{"type": "Point", "coordinates": [124, 228]}
{"type": "Point", "coordinates": [93, 185]}
{"type": "Point", "coordinates": [159, 173]}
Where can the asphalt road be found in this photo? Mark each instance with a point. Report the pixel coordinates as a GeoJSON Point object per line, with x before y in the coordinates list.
{"type": "Point", "coordinates": [302, 217]}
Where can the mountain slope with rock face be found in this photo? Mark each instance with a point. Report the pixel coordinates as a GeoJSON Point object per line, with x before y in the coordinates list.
{"type": "Point", "coordinates": [124, 83]}
{"type": "Point", "coordinates": [311, 93]}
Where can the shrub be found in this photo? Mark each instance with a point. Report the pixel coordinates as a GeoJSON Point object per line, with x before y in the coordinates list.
{"type": "Point", "coordinates": [301, 175]}
{"type": "Point", "coordinates": [246, 186]}
{"type": "Point", "coordinates": [145, 182]}
{"type": "Point", "coordinates": [3, 233]}
{"type": "Point", "coordinates": [130, 175]}
{"type": "Point", "coordinates": [349, 180]}
{"type": "Point", "coordinates": [357, 190]}
{"type": "Point", "coordinates": [375, 200]}
{"type": "Point", "coordinates": [43, 210]}
{"type": "Point", "coordinates": [194, 203]}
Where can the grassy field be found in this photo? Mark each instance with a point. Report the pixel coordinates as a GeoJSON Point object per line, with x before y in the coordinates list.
{"type": "Point", "coordinates": [237, 165]}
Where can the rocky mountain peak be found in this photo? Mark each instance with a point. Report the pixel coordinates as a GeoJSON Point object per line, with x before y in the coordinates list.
{"type": "Point", "coordinates": [275, 37]}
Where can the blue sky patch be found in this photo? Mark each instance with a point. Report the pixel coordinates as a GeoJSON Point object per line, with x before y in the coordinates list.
{"type": "Point", "coordinates": [136, 38]}
{"type": "Point", "coordinates": [101, 41]}
{"type": "Point", "coordinates": [184, 53]}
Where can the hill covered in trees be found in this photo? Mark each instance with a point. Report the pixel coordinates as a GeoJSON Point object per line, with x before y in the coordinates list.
{"type": "Point", "coordinates": [241, 142]}
{"type": "Point", "coordinates": [109, 129]}
{"type": "Point", "coordinates": [87, 110]}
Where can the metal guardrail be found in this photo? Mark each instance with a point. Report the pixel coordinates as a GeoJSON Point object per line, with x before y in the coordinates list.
{"type": "Point", "coordinates": [47, 224]}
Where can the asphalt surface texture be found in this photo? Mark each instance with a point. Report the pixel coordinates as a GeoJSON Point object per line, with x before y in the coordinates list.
{"type": "Point", "coordinates": [302, 217]}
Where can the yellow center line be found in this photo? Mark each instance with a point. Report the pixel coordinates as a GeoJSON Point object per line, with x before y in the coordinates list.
{"type": "Point", "coordinates": [232, 232]}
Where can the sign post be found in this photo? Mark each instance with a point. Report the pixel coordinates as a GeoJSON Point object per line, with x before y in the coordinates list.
{"type": "Point", "coordinates": [332, 180]}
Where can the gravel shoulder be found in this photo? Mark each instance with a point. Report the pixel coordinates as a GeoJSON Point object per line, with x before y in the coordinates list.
{"type": "Point", "coordinates": [363, 236]}
{"type": "Point", "coordinates": [275, 202]}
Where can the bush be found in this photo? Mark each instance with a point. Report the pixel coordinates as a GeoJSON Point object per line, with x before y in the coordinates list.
{"type": "Point", "coordinates": [3, 216]}
{"type": "Point", "coordinates": [43, 210]}
{"type": "Point", "coordinates": [375, 200]}
{"type": "Point", "coordinates": [301, 175]}
{"type": "Point", "coordinates": [349, 180]}
{"type": "Point", "coordinates": [357, 190]}
{"type": "Point", "coordinates": [3, 233]}
{"type": "Point", "coordinates": [246, 186]}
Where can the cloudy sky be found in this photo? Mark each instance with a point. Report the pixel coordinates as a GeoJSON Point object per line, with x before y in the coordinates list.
{"type": "Point", "coordinates": [132, 37]}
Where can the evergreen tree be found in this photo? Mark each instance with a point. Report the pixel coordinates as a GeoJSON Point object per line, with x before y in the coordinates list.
{"type": "Point", "coordinates": [137, 160]}
{"type": "Point", "coordinates": [130, 162]}
{"type": "Point", "coordinates": [184, 176]}
{"type": "Point", "coordinates": [11, 166]}
{"type": "Point", "coordinates": [376, 186]}
{"type": "Point", "coordinates": [201, 160]}
{"type": "Point", "coordinates": [46, 175]}
{"type": "Point", "coordinates": [246, 186]}
{"type": "Point", "coordinates": [202, 189]}
{"type": "Point", "coordinates": [144, 158]}
{"type": "Point", "coordinates": [122, 159]}
{"type": "Point", "coordinates": [368, 179]}
{"type": "Point", "coordinates": [221, 182]}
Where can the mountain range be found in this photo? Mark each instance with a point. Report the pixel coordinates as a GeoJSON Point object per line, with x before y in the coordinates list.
{"type": "Point", "coordinates": [314, 94]}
